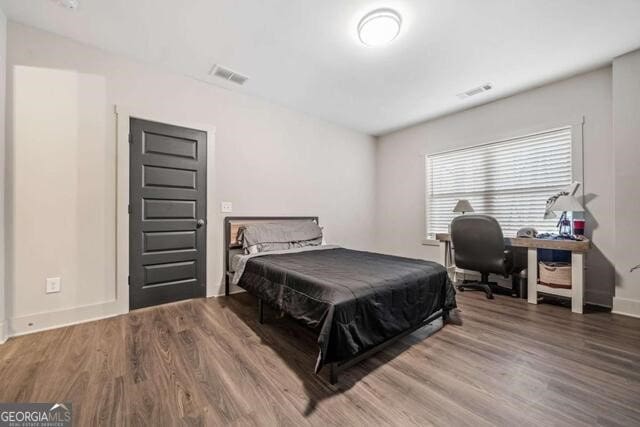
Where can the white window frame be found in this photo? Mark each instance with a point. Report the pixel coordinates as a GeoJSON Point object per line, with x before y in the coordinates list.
{"type": "Point", "coordinates": [577, 165]}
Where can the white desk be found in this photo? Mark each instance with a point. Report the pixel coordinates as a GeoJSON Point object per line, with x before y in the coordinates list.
{"type": "Point", "coordinates": [578, 250]}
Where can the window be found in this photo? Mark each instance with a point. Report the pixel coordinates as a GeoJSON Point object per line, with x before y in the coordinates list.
{"type": "Point", "coordinates": [509, 180]}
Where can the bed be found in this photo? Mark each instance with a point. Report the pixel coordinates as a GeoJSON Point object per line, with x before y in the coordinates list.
{"type": "Point", "coordinates": [358, 302]}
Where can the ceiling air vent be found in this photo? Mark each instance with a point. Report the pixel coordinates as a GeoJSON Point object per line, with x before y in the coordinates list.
{"type": "Point", "coordinates": [69, 4]}
{"type": "Point", "coordinates": [475, 91]}
{"type": "Point", "coordinates": [227, 74]}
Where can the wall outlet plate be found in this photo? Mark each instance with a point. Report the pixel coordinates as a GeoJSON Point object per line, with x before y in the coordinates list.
{"type": "Point", "coordinates": [52, 285]}
{"type": "Point", "coordinates": [226, 207]}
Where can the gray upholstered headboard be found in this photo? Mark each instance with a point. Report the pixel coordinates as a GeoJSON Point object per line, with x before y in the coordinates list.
{"type": "Point", "coordinates": [232, 246]}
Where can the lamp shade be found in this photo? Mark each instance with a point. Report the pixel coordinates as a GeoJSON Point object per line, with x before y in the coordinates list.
{"type": "Point", "coordinates": [463, 206]}
{"type": "Point", "coordinates": [567, 204]}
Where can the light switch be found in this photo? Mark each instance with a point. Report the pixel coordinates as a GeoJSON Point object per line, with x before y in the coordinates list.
{"type": "Point", "coordinates": [226, 207]}
{"type": "Point", "coordinates": [53, 285]}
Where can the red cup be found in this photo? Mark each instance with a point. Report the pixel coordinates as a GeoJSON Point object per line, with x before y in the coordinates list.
{"type": "Point", "coordinates": [578, 227]}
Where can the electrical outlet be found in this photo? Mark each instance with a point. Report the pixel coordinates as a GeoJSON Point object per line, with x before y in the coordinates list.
{"type": "Point", "coordinates": [53, 285]}
{"type": "Point", "coordinates": [226, 207]}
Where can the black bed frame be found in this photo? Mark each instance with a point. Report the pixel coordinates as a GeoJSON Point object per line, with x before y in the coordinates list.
{"type": "Point", "coordinates": [334, 368]}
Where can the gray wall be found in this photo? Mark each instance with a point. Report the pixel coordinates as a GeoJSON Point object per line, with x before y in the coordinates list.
{"type": "Point", "coordinates": [62, 175]}
{"type": "Point", "coordinates": [400, 212]}
{"type": "Point", "coordinates": [626, 137]}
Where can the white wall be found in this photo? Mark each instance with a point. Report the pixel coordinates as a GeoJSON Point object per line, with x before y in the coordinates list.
{"type": "Point", "coordinates": [400, 175]}
{"type": "Point", "coordinates": [3, 68]}
{"type": "Point", "coordinates": [62, 176]}
{"type": "Point", "coordinates": [626, 137]}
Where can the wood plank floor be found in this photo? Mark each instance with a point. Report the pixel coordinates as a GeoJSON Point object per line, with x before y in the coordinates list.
{"type": "Point", "coordinates": [208, 362]}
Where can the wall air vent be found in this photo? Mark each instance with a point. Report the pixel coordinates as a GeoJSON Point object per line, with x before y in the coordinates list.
{"type": "Point", "coordinates": [475, 91]}
{"type": "Point", "coordinates": [227, 74]}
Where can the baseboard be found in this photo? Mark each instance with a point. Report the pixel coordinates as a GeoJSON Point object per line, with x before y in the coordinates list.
{"type": "Point", "coordinates": [626, 306]}
{"type": "Point", "coordinates": [3, 332]}
{"type": "Point", "coordinates": [57, 319]}
{"type": "Point", "coordinates": [595, 304]}
{"type": "Point", "coordinates": [231, 292]}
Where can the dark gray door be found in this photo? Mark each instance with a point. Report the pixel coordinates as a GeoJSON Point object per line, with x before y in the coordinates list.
{"type": "Point", "coordinates": [168, 210]}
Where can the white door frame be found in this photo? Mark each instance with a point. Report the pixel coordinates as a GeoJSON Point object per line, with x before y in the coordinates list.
{"type": "Point", "coordinates": [123, 116]}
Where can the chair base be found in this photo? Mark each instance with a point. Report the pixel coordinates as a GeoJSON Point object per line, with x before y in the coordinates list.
{"type": "Point", "coordinates": [489, 288]}
{"type": "Point", "coordinates": [477, 286]}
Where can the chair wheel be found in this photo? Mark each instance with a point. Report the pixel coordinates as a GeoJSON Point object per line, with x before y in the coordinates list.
{"type": "Point", "coordinates": [489, 296]}
{"type": "Point", "coordinates": [460, 289]}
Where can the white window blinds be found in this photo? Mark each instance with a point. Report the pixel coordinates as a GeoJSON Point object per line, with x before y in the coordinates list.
{"type": "Point", "coordinates": [509, 180]}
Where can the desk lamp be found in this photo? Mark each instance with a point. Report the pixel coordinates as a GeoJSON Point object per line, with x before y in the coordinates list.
{"type": "Point", "coordinates": [463, 206]}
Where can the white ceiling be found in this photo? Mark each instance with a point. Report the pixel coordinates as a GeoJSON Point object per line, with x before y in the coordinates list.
{"type": "Point", "coordinates": [304, 54]}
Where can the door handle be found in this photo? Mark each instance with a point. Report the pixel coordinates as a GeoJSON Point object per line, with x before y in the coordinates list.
{"type": "Point", "coordinates": [200, 223]}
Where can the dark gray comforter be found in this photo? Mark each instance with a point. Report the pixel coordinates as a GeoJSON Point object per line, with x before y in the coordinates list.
{"type": "Point", "coordinates": [355, 299]}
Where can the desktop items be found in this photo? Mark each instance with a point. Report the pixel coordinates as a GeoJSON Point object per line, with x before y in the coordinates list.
{"type": "Point", "coordinates": [564, 201]}
{"type": "Point", "coordinates": [564, 204]}
{"type": "Point", "coordinates": [527, 232]}
{"type": "Point", "coordinates": [564, 225]}
{"type": "Point", "coordinates": [578, 227]}
{"type": "Point", "coordinates": [553, 236]}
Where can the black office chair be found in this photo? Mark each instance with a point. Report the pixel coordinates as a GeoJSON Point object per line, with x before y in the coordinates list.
{"type": "Point", "coordinates": [478, 245]}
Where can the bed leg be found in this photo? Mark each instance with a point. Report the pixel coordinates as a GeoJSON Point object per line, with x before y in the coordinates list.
{"type": "Point", "coordinates": [226, 285]}
{"type": "Point", "coordinates": [260, 311]}
{"type": "Point", "coordinates": [333, 374]}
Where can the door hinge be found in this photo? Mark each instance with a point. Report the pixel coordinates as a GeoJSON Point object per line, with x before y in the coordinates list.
{"type": "Point", "coordinates": [130, 139]}
{"type": "Point", "coordinates": [129, 208]}
{"type": "Point", "coordinates": [129, 280]}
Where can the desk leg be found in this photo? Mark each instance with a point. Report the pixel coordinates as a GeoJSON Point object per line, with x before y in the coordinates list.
{"type": "Point", "coordinates": [445, 258]}
{"type": "Point", "coordinates": [532, 275]}
{"type": "Point", "coordinates": [577, 282]}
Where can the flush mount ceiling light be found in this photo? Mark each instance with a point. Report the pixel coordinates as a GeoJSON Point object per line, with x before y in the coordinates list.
{"type": "Point", "coordinates": [379, 27]}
